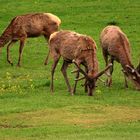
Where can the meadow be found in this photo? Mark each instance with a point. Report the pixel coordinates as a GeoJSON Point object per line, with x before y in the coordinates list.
{"type": "Point", "coordinates": [28, 111]}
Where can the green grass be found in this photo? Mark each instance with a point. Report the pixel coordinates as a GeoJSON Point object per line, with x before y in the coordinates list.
{"type": "Point", "coordinates": [28, 111]}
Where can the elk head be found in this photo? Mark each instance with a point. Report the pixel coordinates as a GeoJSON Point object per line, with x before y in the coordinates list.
{"type": "Point", "coordinates": [134, 75]}
{"type": "Point", "coordinates": [90, 81]}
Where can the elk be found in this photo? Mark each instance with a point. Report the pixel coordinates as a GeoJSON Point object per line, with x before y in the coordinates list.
{"type": "Point", "coordinates": [25, 26]}
{"type": "Point", "coordinates": [115, 44]}
{"type": "Point", "coordinates": [78, 49]}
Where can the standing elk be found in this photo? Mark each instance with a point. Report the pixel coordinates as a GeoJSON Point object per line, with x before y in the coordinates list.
{"type": "Point", "coordinates": [115, 44]}
{"type": "Point", "coordinates": [29, 25]}
{"type": "Point", "coordinates": [79, 49]}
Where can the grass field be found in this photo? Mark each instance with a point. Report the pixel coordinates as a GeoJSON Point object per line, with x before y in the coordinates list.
{"type": "Point", "coordinates": [27, 109]}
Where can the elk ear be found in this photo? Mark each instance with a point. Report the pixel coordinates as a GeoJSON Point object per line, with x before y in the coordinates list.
{"type": "Point", "coordinates": [130, 68]}
{"type": "Point", "coordinates": [102, 72]}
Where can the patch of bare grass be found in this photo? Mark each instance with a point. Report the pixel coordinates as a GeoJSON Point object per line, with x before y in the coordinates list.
{"type": "Point", "coordinates": [86, 116]}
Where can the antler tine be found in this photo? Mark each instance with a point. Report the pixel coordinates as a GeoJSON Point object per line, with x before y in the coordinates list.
{"type": "Point", "coordinates": [103, 71]}
{"type": "Point", "coordinates": [74, 71]}
{"type": "Point", "coordinates": [80, 70]}
{"type": "Point", "coordinates": [80, 78]}
{"type": "Point", "coordinates": [133, 70]}
{"type": "Point", "coordinates": [101, 80]}
{"type": "Point", "coordinates": [137, 73]}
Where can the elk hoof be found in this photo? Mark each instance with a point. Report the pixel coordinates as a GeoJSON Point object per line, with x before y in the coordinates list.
{"type": "Point", "coordinates": [90, 94]}
{"type": "Point", "coordinates": [108, 83]}
{"type": "Point", "coordinates": [71, 91]}
{"type": "Point", "coordinates": [72, 94]}
{"type": "Point", "coordinates": [18, 65]}
{"type": "Point", "coordinates": [10, 62]}
{"type": "Point", "coordinates": [126, 86]}
{"type": "Point", "coordinates": [138, 89]}
{"type": "Point", "coordinates": [46, 63]}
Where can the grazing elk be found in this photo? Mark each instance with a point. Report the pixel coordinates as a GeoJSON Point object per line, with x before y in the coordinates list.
{"type": "Point", "coordinates": [115, 44]}
{"type": "Point", "coordinates": [79, 49]}
{"type": "Point", "coordinates": [29, 25]}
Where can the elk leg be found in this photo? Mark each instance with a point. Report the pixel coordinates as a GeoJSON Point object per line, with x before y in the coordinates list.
{"type": "Point", "coordinates": [46, 60]}
{"type": "Point", "coordinates": [106, 62]}
{"type": "Point", "coordinates": [105, 55]}
{"type": "Point", "coordinates": [77, 62]}
{"type": "Point", "coordinates": [56, 59]}
{"type": "Point", "coordinates": [86, 87]}
{"type": "Point", "coordinates": [74, 89]}
{"type": "Point", "coordinates": [8, 52]}
{"type": "Point", "coordinates": [125, 80]}
{"type": "Point", "coordinates": [63, 70]}
{"type": "Point", "coordinates": [22, 41]}
{"type": "Point", "coordinates": [85, 84]}
{"type": "Point", "coordinates": [109, 80]}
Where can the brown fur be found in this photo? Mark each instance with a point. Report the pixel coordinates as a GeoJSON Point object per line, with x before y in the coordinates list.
{"type": "Point", "coordinates": [29, 25]}
{"type": "Point", "coordinates": [115, 44]}
{"type": "Point", "coordinates": [74, 46]}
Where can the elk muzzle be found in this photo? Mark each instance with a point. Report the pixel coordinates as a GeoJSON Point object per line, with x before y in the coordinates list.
{"type": "Point", "coordinates": [133, 75]}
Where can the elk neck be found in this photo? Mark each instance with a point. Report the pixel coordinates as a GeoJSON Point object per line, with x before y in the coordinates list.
{"type": "Point", "coordinates": [92, 64]}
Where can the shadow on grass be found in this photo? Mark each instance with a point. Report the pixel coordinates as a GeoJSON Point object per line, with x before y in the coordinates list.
{"type": "Point", "coordinates": [113, 23]}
